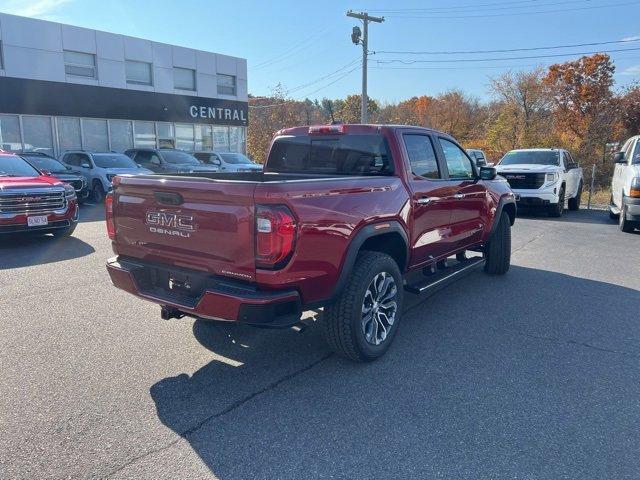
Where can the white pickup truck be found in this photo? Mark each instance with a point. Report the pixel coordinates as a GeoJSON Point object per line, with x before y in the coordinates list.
{"type": "Point", "coordinates": [625, 186]}
{"type": "Point", "coordinates": [544, 178]}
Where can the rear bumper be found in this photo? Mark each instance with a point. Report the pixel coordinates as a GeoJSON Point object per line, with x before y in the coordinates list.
{"type": "Point", "coordinates": [218, 299]}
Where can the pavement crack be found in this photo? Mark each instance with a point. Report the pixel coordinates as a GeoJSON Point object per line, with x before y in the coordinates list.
{"type": "Point", "coordinates": [235, 405]}
{"type": "Point", "coordinates": [571, 342]}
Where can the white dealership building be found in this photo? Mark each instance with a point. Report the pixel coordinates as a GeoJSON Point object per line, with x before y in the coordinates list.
{"type": "Point", "coordinates": [64, 87]}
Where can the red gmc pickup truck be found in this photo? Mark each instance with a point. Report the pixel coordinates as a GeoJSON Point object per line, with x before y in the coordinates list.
{"type": "Point", "coordinates": [345, 217]}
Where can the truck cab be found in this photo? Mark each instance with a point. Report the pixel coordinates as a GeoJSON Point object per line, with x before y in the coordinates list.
{"type": "Point", "coordinates": [625, 186]}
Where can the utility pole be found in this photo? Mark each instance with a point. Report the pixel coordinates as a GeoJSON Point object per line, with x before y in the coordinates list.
{"type": "Point", "coordinates": [362, 38]}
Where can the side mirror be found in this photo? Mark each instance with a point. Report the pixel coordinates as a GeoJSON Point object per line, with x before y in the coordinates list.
{"type": "Point", "coordinates": [572, 165]}
{"type": "Point", "coordinates": [85, 165]}
{"type": "Point", "coordinates": [216, 162]}
{"type": "Point", "coordinates": [155, 161]}
{"type": "Point", "coordinates": [488, 173]}
{"type": "Point", "coordinates": [618, 157]}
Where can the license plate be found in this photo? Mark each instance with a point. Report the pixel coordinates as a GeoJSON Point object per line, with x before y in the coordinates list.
{"type": "Point", "coordinates": [37, 221]}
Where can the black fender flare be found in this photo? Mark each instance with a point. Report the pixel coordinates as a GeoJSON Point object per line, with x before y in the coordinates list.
{"type": "Point", "coordinates": [361, 236]}
{"type": "Point", "coordinates": [501, 204]}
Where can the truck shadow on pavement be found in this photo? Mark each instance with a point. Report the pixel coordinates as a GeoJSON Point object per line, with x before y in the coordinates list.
{"type": "Point", "coordinates": [531, 374]}
{"type": "Point", "coordinates": [28, 250]}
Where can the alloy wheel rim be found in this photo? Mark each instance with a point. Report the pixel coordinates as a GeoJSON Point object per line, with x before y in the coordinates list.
{"type": "Point", "coordinates": [379, 308]}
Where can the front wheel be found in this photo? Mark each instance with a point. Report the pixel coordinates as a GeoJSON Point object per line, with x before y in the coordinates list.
{"type": "Point", "coordinates": [574, 203]}
{"type": "Point", "coordinates": [497, 250]}
{"type": "Point", "coordinates": [363, 321]}
{"type": "Point", "coordinates": [625, 225]}
{"type": "Point", "coordinates": [557, 209]}
{"type": "Point", "coordinates": [97, 192]}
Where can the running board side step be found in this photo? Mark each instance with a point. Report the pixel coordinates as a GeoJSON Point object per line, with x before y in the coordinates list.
{"type": "Point", "coordinates": [444, 277]}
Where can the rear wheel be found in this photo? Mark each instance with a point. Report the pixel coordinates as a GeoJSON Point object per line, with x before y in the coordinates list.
{"type": "Point", "coordinates": [97, 192]}
{"type": "Point", "coordinates": [574, 203]}
{"type": "Point", "coordinates": [363, 321]}
{"type": "Point", "coordinates": [497, 251]}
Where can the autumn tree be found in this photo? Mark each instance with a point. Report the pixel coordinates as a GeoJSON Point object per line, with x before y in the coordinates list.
{"type": "Point", "coordinates": [348, 110]}
{"type": "Point", "coordinates": [584, 106]}
{"type": "Point", "coordinates": [629, 111]}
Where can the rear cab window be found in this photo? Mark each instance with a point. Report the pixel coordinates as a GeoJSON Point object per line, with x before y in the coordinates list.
{"type": "Point", "coordinates": [357, 154]}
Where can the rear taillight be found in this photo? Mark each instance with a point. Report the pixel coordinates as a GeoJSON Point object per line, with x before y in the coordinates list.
{"type": "Point", "coordinates": [327, 129]}
{"type": "Point", "coordinates": [108, 207]}
{"type": "Point", "coordinates": [275, 235]}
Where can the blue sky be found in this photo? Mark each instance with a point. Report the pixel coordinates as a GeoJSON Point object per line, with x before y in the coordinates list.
{"type": "Point", "coordinates": [300, 44]}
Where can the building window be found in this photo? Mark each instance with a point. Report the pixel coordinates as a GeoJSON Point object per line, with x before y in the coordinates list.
{"type": "Point", "coordinates": [144, 134]}
{"type": "Point", "coordinates": [236, 139]}
{"type": "Point", "coordinates": [121, 134]}
{"type": "Point", "coordinates": [184, 136]}
{"type": "Point", "coordinates": [226, 84]}
{"type": "Point", "coordinates": [10, 133]}
{"type": "Point", "coordinates": [138, 73]}
{"type": "Point", "coordinates": [165, 135]}
{"type": "Point", "coordinates": [80, 64]}
{"type": "Point", "coordinates": [221, 139]}
{"type": "Point", "coordinates": [37, 133]}
{"type": "Point", "coordinates": [69, 133]}
{"type": "Point", "coordinates": [184, 78]}
{"type": "Point", "coordinates": [95, 136]}
{"type": "Point", "coordinates": [204, 138]}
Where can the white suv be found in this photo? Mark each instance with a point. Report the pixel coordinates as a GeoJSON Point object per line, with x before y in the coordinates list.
{"type": "Point", "coordinates": [625, 186]}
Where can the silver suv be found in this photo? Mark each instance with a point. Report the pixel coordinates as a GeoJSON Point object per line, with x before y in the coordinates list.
{"type": "Point", "coordinates": [100, 168]}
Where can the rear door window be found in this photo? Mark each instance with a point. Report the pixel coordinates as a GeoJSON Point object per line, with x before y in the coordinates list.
{"type": "Point", "coordinates": [335, 155]}
{"type": "Point", "coordinates": [422, 155]}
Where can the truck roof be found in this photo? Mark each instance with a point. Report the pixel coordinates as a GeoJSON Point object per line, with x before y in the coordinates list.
{"type": "Point", "coordinates": [356, 128]}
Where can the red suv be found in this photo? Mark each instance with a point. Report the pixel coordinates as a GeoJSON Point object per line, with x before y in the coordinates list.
{"type": "Point", "coordinates": [346, 217]}
{"type": "Point", "coordinates": [33, 202]}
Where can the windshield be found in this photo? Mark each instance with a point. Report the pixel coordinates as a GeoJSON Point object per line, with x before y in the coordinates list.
{"type": "Point", "coordinates": [176, 156]}
{"type": "Point", "coordinates": [14, 166]}
{"type": "Point", "coordinates": [45, 163]}
{"type": "Point", "coordinates": [235, 158]}
{"type": "Point", "coordinates": [336, 155]}
{"type": "Point", "coordinates": [113, 160]}
{"type": "Point", "coordinates": [531, 157]}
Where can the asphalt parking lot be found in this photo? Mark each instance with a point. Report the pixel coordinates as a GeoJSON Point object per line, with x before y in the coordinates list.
{"type": "Point", "coordinates": [531, 375]}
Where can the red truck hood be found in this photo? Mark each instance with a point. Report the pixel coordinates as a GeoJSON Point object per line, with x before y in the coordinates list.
{"type": "Point", "coordinates": [11, 183]}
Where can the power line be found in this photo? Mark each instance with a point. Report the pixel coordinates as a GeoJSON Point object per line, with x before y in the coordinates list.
{"type": "Point", "coordinates": [299, 87]}
{"type": "Point", "coordinates": [474, 8]}
{"type": "Point", "coordinates": [528, 3]}
{"type": "Point", "coordinates": [527, 57]}
{"type": "Point", "coordinates": [436, 17]}
{"type": "Point", "coordinates": [505, 50]}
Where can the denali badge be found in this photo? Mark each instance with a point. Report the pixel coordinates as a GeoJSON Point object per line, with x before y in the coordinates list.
{"type": "Point", "coordinates": [170, 224]}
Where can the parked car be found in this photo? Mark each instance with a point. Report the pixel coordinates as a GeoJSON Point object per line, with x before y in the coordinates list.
{"type": "Point", "coordinates": [228, 161]}
{"type": "Point", "coordinates": [167, 160]}
{"type": "Point", "coordinates": [33, 202]}
{"type": "Point", "coordinates": [52, 167]}
{"type": "Point", "coordinates": [478, 156]}
{"type": "Point", "coordinates": [625, 186]}
{"type": "Point", "coordinates": [99, 169]}
{"type": "Point", "coordinates": [543, 178]}
{"type": "Point", "coordinates": [335, 220]}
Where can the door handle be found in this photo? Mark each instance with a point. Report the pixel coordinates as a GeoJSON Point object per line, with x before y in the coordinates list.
{"type": "Point", "coordinates": [458, 196]}
{"type": "Point", "coordinates": [426, 200]}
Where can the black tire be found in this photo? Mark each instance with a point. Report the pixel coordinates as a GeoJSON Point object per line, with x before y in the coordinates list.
{"type": "Point", "coordinates": [343, 320]}
{"type": "Point", "coordinates": [625, 225]}
{"type": "Point", "coordinates": [497, 251]}
{"type": "Point", "coordinates": [97, 192]}
{"type": "Point", "coordinates": [557, 209]}
{"type": "Point", "coordinates": [65, 232]}
{"type": "Point", "coordinates": [574, 203]}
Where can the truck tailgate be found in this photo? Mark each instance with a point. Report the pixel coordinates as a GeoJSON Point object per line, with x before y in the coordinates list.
{"type": "Point", "coordinates": [200, 224]}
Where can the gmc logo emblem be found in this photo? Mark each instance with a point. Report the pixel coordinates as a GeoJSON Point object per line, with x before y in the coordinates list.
{"type": "Point", "coordinates": [515, 177]}
{"type": "Point", "coordinates": [171, 220]}
{"type": "Point", "coordinates": [31, 199]}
